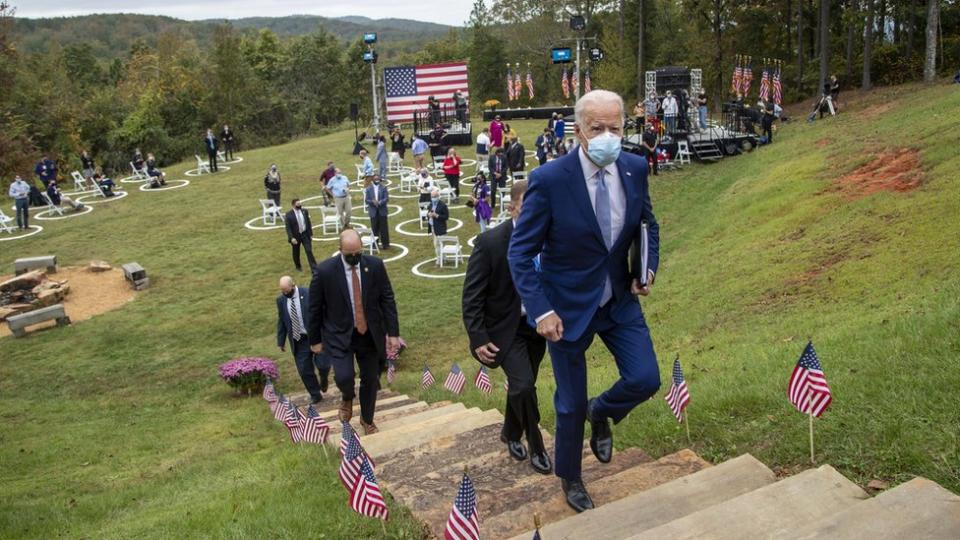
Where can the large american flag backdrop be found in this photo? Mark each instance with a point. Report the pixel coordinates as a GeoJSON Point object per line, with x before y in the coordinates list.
{"type": "Point", "coordinates": [408, 87]}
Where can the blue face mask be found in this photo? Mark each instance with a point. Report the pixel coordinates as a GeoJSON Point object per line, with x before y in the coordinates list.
{"type": "Point", "coordinates": [604, 149]}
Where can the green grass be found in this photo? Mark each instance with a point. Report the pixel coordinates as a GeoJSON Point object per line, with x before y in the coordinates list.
{"type": "Point", "coordinates": [118, 426]}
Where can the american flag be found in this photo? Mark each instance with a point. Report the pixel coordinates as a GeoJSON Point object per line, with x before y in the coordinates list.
{"type": "Point", "coordinates": [510, 96]}
{"type": "Point", "coordinates": [808, 390]}
{"type": "Point", "coordinates": [575, 80]}
{"type": "Point", "coordinates": [408, 87]}
{"type": "Point", "coordinates": [737, 76]}
{"type": "Point", "coordinates": [427, 378]}
{"type": "Point", "coordinates": [314, 429]}
{"type": "Point", "coordinates": [587, 83]}
{"type": "Point", "coordinates": [365, 497]}
{"type": "Point", "coordinates": [455, 380]}
{"type": "Point", "coordinates": [391, 372]}
{"type": "Point", "coordinates": [463, 523]}
{"type": "Point", "coordinates": [482, 380]}
{"type": "Point", "coordinates": [529, 83]}
{"type": "Point", "coordinates": [279, 408]}
{"type": "Point", "coordinates": [350, 462]}
{"type": "Point", "coordinates": [678, 396]}
{"type": "Point", "coordinates": [777, 90]}
{"type": "Point", "coordinates": [565, 83]}
{"type": "Point", "coordinates": [517, 84]}
{"type": "Point", "coordinates": [346, 434]}
{"type": "Point", "coordinates": [765, 85]}
{"type": "Point", "coordinates": [292, 421]}
{"type": "Point", "coordinates": [268, 393]}
{"type": "Point", "coordinates": [747, 79]}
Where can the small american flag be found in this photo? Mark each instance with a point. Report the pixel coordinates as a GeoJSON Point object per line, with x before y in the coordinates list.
{"type": "Point", "coordinates": [575, 80]}
{"type": "Point", "coordinates": [365, 497]}
{"type": "Point", "coordinates": [587, 83]}
{"type": "Point", "coordinates": [482, 380]}
{"type": "Point", "coordinates": [777, 89]}
{"type": "Point", "coordinates": [517, 84]}
{"type": "Point", "coordinates": [747, 79]}
{"type": "Point", "coordinates": [765, 85]}
{"type": "Point", "coordinates": [678, 396]}
{"type": "Point", "coordinates": [352, 451]}
{"type": "Point", "coordinates": [292, 421]}
{"type": "Point", "coordinates": [509, 85]}
{"type": "Point", "coordinates": [463, 523]}
{"type": "Point", "coordinates": [455, 380]}
{"type": "Point", "coordinates": [279, 408]}
{"type": "Point", "coordinates": [529, 83]}
{"type": "Point", "coordinates": [314, 429]}
{"type": "Point", "coordinates": [348, 433]}
{"type": "Point", "coordinates": [808, 390]}
{"type": "Point", "coordinates": [426, 379]}
{"type": "Point", "coordinates": [565, 83]}
{"type": "Point", "coordinates": [737, 77]}
{"type": "Point", "coordinates": [391, 372]}
{"type": "Point", "coordinates": [268, 393]}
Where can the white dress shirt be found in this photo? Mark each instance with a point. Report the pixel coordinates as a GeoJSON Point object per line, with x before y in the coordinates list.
{"type": "Point", "coordinates": [618, 200]}
{"type": "Point", "coordinates": [349, 272]}
{"type": "Point", "coordinates": [300, 223]}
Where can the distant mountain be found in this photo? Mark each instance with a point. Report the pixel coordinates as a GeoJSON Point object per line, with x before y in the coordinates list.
{"type": "Point", "coordinates": [346, 28]}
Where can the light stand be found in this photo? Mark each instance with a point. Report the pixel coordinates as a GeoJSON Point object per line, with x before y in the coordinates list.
{"type": "Point", "coordinates": [370, 57]}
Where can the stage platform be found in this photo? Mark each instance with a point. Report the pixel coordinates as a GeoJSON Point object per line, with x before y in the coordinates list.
{"type": "Point", "coordinates": [528, 113]}
{"type": "Point", "coordinates": [457, 134]}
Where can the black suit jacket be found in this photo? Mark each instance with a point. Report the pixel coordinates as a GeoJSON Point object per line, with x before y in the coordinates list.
{"type": "Point", "coordinates": [504, 169]}
{"type": "Point", "coordinates": [331, 313]}
{"type": "Point", "coordinates": [293, 230]}
{"type": "Point", "coordinates": [491, 305]}
{"type": "Point", "coordinates": [516, 155]}
{"type": "Point", "coordinates": [439, 227]}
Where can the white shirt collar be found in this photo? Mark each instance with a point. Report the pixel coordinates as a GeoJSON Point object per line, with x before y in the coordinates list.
{"type": "Point", "coordinates": [590, 168]}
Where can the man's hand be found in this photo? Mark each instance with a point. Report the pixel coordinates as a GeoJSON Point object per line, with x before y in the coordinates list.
{"type": "Point", "coordinates": [551, 327]}
{"type": "Point", "coordinates": [636, 288]}
{"type": "Point", "coordinates": [293, 241]}
{"type": "Point", "coordinates": [487, 353]}
{"type": "Point", "coordinates": [317, 349]}
{"type": "Point", "coordinates": [393, 344]}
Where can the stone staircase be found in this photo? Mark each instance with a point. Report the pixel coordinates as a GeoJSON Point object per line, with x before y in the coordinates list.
{"type": "Point", "coordinates": [422, 449]}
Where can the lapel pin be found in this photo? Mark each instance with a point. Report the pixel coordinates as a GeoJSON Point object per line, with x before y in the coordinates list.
{"type": "Point", "coordinates": [628, 173]}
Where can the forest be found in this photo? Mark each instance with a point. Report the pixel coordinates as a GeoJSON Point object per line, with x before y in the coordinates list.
{"type": "Point", "coordinates": [109, 83]}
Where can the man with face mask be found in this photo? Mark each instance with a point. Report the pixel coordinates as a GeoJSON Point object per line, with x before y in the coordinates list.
{"type": "Point", "coordinates": [300, 233]}
{"type": "Point", "coordinates": [582, 214]}
{"type": "Point", "coordinates": [293, 321]}
{"type": "Point", "coordinates": [375, 198]}
{"type": "Point", "coordinates": [353, 315]}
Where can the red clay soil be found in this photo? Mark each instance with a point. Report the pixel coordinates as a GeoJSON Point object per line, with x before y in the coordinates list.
{"type": "Point", "coordinates": [898, 171]}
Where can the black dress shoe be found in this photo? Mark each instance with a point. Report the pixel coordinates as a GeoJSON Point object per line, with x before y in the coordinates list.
{"type": "Point", "coordinates": [516, 449]}
{"type": "Point", "coordinates": [576, 494]}
{"type": "Point", "coordinates": [315, 400]}
{"type": "Point", "coordinates": [541, 462]}
{"type": "Point", "coordinates": [324, 382]}
{"type": "Point", "coordinates": [601, 437]}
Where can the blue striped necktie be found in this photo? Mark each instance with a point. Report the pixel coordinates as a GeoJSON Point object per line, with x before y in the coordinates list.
{"type": "Point", "coordinates": [602, 208]}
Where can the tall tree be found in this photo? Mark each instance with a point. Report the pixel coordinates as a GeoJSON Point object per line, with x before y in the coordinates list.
{"type": "Point", "coordinates": [850, 17]}
{"type": "Point", "coordinates": [800, 51]}
{"type": "Point", "coordinates": [867, 82]}
{"type": "Point", "coordinates": [933, 22]}
{"type": "Point", "coordinates": [641, 76]}
{"type": "Point", "coordinates": [824, 41]}
{"type": "Point", "coordinates": [486, 56]}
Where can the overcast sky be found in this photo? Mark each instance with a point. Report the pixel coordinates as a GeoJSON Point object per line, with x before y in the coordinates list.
{"type": "Point", "coordinates": [453, 12]}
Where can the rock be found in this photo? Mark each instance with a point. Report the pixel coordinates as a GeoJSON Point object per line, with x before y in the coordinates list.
{"type": "Point", "coordinates": [99, 266]}
{"type": "Point", "coordinates": [24, 281]}
{"type": "Point", "coordinates": [878, 485]}
{"type": "Point", "coordinates": [13, 309]}
{"type": "Point", "coordinates": [49, 297]}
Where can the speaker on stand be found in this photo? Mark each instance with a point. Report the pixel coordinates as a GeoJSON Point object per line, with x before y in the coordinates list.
{"type": "Point", "coordinates": [354, 115]}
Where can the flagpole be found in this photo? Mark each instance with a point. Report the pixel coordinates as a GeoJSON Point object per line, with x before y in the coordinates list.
{"type": "Point", "coordinates": [686, 422]}
{"type": "Point", "coordinates": [810, 411]}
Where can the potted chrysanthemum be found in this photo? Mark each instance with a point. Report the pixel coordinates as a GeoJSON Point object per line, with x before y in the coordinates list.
{"type": "Point", "coordinates": [248, 374]}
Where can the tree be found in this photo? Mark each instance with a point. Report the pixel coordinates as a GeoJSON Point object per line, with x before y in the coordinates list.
{"type": "Point", "coordinates": [933, 21]}
{"type": "Point", "coordinates": [867, 82]}
{"type": "Point", "coordinates": [486, 55]}
{"type": "Point", "coordinates": [824, 41]}
{"type": "Point", "coordinates": [640, 71]}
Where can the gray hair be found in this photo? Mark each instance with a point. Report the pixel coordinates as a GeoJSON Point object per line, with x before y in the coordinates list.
{"type": "Point", "coordinates": [592, 97]}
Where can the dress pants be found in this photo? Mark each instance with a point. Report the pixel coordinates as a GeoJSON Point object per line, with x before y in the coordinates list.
{"type": "Point", "coordinates": [636, 361]}
{"type": "Point", "coordinates": [361, 346]}
{"type": "Point", "coordinates": [23, 212]}
{"type": "Point", "coordinates": [521, 364]}
{"type": "Point", "coordinates": [454, 180]}
{"type": "Point", "coordinates": [213, 161]}
{"type": "Point", "coordinates": [343, 210]}
{"type": "Point", "coordinates": [307, 243]}
{"type": "Point", "coordinates": [306, 361]}
{"type": "Point", "coordinates": [228, 150]}
{"type": "Point", "coordinates": [380, 228]}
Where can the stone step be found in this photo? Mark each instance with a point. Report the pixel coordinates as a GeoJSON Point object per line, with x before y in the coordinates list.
{"type": "Point", "coordinates": [385, 416]}
{"type": "Point", "coordinates": [770, 511]}
{"type": "Point", "coordinates": [421, 416]}
{"type": "Point", "coordinates": [384, 402]}
{"type": "Point", "coordinates": [410, 465]}
{"type": "Point", "coordinates": [651, 506]}
{"type": "Point", "coordinates": [415, 434]}
{"type": "Point", "coordinates": [919, 508]}
{"type": "Point", "coordinates": [552, 506]}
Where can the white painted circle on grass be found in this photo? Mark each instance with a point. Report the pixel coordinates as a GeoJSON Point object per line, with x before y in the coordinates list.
{"type": "Point", "coordinates": [363, 208]}
{"type": "Point", "coordinates": [172, 184]}
{"type": "Point", "coordinates": [403, 253]}
{"type": "Point", "coordinates": [399, 226]}
{"type": "Point", "coordinates": [417, 272]}
{"type": "Point", "coordinates": [98, 199]}
{"type": "Point", "coordinates": [199, 172]}
{"type": "Point", "coordinates": [254, 227]}
{"type": "Point", "coordinates": [132, 179]}
{"type": "Point", "coordinates": [4, 237]}
{"type": "Point", "coordinates": [67, 214]}
{"type": "Point", "coordinates": [236, 159]}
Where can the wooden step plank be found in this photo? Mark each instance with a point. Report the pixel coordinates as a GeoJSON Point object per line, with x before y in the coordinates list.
{"type": "Point", "coordinates": [768, 512]}
{"type": "Point", "coordinates": [383, 403]}
{"type": "Point", "coordinates": [417, 434]}
{"type": "Point", "coordinates": [651, 506]}
{"type": "Point", "coordinates": [409, 465]}
{"type": "Point", "coordinates": [384, 416]}
{"type": "Point", "coordinates": [919, 508]}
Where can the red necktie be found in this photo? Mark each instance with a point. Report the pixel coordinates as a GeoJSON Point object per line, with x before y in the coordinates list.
{"type": "Point", "coordinates": [359, 319]}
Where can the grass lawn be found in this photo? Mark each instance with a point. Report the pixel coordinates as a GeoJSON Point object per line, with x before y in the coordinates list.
{"type": "Point", "coordinates": [119, 427]}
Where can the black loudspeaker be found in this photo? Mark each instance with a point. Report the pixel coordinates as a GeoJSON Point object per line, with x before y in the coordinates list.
{"type": "Point", "coordinates": [672, 78]}
{"type": "Point", "coordinates": [354, 111]}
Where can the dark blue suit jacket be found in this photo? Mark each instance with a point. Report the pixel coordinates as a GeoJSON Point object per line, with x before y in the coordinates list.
{"type": "Point", "coordinates": [283, 316]}
{"type": "Point", "coordinates": [558, 222]}
{"type": "Point", "coordinates": [372, 210]}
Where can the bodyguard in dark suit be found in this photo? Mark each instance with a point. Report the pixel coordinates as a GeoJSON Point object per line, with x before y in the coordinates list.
{"type": "Point", "coordinates": [293, 320]}
{"type": "Point", "coordinates": [226, 137]}
{"type": "Point", "coordinates": [583, 214]}
{"type": "Point", "coordinates": [353, 314]}
{"type": "Point", "coordinates": [498, 174]}
{"type": "Point", "coordinates": [437, 214]}
{"type": "Point", "coordinates": [501, 335]}
{"type": "Point", "coordinates": [212, 145]}
{"type": "Point", "coordinates": [376, 197]}
{"type": "Point", "coordinates": [516, 156]}
{"type": "Point", "coordinates": [300, 233]}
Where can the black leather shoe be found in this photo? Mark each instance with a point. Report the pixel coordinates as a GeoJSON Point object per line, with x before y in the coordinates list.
{"type": "Point", "coordinates": [576, 494]}
{"type": "Point", "coordinates": [315, 400]}
{"type": "Point", "coordinates": [541, 462]}
{"type": "Point", "coordinates": [601, 437]}
{"type": "Point", "coordinates": [324, 382]}
{"type": "Point", "coordinates": [516, 449]}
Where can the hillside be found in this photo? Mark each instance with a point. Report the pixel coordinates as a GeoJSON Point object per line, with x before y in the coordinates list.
{"type": "Point", "coordinates": [844, 232]}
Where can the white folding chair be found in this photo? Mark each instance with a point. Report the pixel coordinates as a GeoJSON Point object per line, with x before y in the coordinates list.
{"type": "Point", "coordinates": [329, 219]}
{"type": "Point", "coordinates": [446, 191]}
{"type": "Point", "coordinates": [56, 209]}
{"type": "Point", "coordinates": [4, 220]}
{"type": "Point", "coordinates": [498, 219]}
{"type": "Point", "coordinates": [394, 161]}
{"type": "Point", "coordinates": [518, 175]}
{"type": "Point", "coordinates": [271, 211]}
{"type": "Point", "coordinates": [483, 166]}
{"type": "Point", "coordinates": [449, 249]}
{"type": "Point", "coordinates": [221, 156]}
{"type": "Point", "coordinates": [683, 152]}
{"type": "Point", "coordinates": [424, 219]}
{"type": "Point", "coordinates": [438, 164]}
{"type": "Point", "coordinates": [409, 182]}
{"type": "Point", "coordinates": [504, 196]}
{"type": "Point", "coordinates": [359, 172]}
{"type": "Point", "coordinates": [202, 166]}
{"type": "Point", "coordinates": [79, 182]}
{"type": "Point", "coordinates": [369, 242]}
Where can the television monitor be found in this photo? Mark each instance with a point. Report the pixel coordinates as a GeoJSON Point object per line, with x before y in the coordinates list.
{"type": "Point", "coordinates": [560, 55]}
{"type": "Point", "coordinates": [370, 38]}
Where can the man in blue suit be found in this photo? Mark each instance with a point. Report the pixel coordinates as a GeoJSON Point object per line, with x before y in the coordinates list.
{"type": "Point", "coordinates": [582, 213]}
{"type": "Point", "coordinates": [376, 197]}
{"type": "Point", "coordinates": [212, 145]}
{"type": "Point", "coordinates": [293, 320]}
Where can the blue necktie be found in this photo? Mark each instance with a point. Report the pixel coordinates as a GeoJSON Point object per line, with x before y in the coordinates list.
{"type": "Point", "coordinates": [602, 208]}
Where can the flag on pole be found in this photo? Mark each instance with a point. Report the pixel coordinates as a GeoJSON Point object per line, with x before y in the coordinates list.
{"type": "Point", "coordinates": [517, 83]}
{"type": "Point", "coordinates": [808, 390]}
{"type": "Point", "coordinates": [482, 380]}
{"type": "Point", "coordinates": [737, 76]}
{"type": "Point", "coordinates": [587, 83]}
{"type": "Point", "coordinates": [777, 89]}
{"type": "Point", "coordinates": [455, 380]}
{"type": "Point", "coordinates": [678, 396]}
{"type": "Point", "coordinates": [575, 80]}
{"type": "Point", "coordinates": [509, 84]}
{"type": "Point", "coordinates": [268, 392]}
{"type": "Point", "coordinates": [407, 88]}
{"type": "Point", "coordinates": [279, 408]}
{"type": "Point", "coordinates": [292, 421]}
{"type": "Point", "coordinates": [391, 372]}
{"type": "Point", "coordinates": [314, 429]}
{"type": "Point", "coordinates": [426, 379]}
{"type": "Point", "coordinates": [463, 523]}
{"type": "Point", "coordinates": [365, 497]}
{"type": "Point", "coordinates": [765, 85]}
{"type": "Point", "coordinates": [529, 83]}
{"type": "Point", "coordinates": [348, 433]}
{"type": "Point", "coordinates": [565, 83]}
{"type": "Point", "coordinates": [351, 451]}
{"type": "Point", "coordinates": [747, 79]}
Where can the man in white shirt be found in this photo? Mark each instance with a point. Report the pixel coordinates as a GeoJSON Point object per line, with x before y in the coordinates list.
{"type": "Point", "coordinates": [670, 108]}
{"type": "Point", "coordinates": [293, 320]}
{"type": "Point", "coordinates": [300, 233]}
{"type": "Point", "coordinates": [483, 146]}
{"type": "Point", "coordinates": [20, 192]}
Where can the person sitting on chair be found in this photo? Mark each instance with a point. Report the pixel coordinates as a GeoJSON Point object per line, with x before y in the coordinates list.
{"type": "Point", "coordinates": [105, 183]}
{"type": "Point", "coordinates": [46, 171]}
{"type": "Point", "coordinates": [87, 166]}
{"type": "Point", "coordinates": [157, 177]}
{"type": "Point", "coordinates": [137, 159]}
{"type": "Point", "coordinates": [425, 183]}
{"type": "Point", "coordinates": [59, 199]}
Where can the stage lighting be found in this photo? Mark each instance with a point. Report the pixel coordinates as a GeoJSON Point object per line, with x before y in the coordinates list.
{"type": "Point", "coordinates": [370, 38]}
{"type": "Point", "coordinates": [578, 23]}
{"type": "Point", "coordinates": [596, 54]}
{"type": "Point", "coordinates": [560, 55]}
{"type": "Point", "coordinates": [370, 57]}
